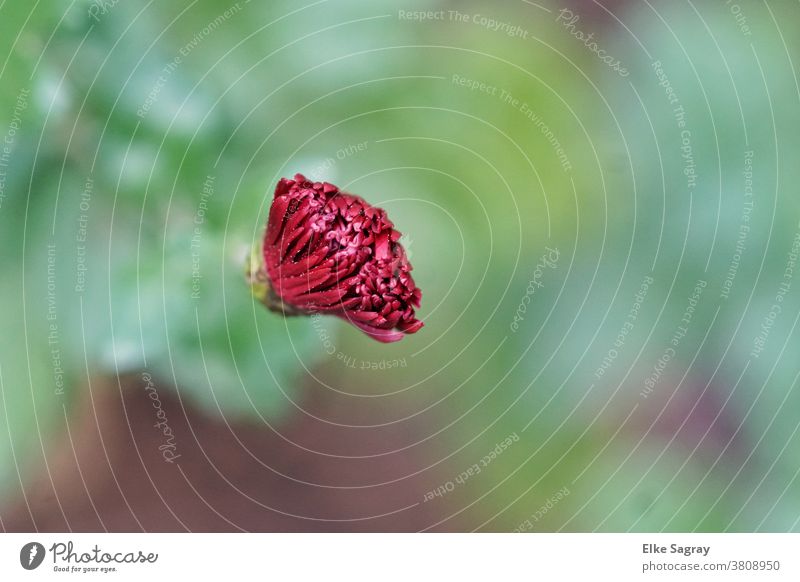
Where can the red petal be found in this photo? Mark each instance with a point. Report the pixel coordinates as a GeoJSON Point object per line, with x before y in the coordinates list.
{"type": "Point", "coordinates": [385, 336]}
{"type": "Point", "coordinates": [411, 326]}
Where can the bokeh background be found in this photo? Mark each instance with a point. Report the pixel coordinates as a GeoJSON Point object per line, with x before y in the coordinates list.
{"type": "Point", "coordinates": [599, 199]}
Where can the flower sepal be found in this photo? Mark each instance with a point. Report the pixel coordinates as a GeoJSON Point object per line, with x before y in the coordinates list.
{"type": "Point", "coordinates": [255, 274]}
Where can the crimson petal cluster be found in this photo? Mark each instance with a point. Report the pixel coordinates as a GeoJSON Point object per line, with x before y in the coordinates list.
{"type": "Point", "coordinates": [328, 251]}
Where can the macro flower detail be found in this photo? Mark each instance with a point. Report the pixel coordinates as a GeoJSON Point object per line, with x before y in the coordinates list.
{"type": "Point", "coordinates": [330, 252]}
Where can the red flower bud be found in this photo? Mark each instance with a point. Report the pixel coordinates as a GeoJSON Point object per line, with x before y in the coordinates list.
{"type": "Point", "coordinates": [327, 251]}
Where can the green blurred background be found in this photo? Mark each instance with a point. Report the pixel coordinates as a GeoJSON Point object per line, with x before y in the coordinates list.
{"type": "Point", "coordinates": [643, 377]}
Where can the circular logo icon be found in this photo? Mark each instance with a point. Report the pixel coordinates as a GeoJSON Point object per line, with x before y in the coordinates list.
{"type": "Point", "coordinates": [31, 555]}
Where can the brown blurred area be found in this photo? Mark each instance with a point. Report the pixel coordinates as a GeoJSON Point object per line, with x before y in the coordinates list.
{"type": "Point", "coordinates": [106, 472]}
